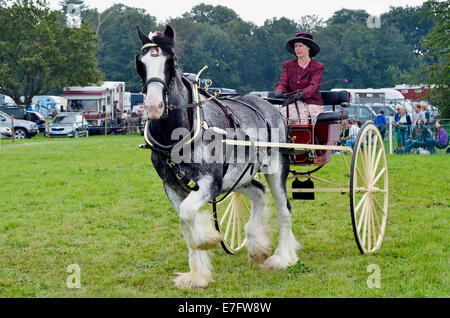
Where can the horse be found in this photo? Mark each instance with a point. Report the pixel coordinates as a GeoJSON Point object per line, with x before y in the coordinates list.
{"type": "Point", "coordinates": [167, 109]}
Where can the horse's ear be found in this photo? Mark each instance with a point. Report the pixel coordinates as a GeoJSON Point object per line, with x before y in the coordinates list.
{"type": "Point", "coordinates": [142, 36]}
{"type": "Point", "coordinates": [169, 32]}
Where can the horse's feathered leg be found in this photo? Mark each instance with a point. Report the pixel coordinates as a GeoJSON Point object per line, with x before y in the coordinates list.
{"type": "Point", "coordinates": [199, 235]}
{"type": "Point", "coordinates": [257, 230]}
{"type": "Point", "coordinates": [285, 254]}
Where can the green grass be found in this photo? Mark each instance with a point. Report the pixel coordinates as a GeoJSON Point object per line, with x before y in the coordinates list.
{"type": "Point", "coordinates": [98, 203]}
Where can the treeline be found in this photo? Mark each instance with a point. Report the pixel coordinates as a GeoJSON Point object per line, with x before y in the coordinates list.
{"type": "Point", "coordinates": [247, 57]}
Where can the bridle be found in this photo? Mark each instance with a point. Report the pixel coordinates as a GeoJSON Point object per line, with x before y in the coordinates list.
{"type": "Point", "coordinates": [145, 82]}
{"type": "Point", "coordinates": [151, 142]}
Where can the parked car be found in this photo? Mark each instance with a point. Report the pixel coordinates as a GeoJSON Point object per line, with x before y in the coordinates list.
{"type": "Point", "coordinates": [68, 124]}
{"type": "Point", "coordinates": [22, 128]}
{"type": "Point", "coordinates": [359, 112]}
{"type": "Point", "coordinates": [37, 118]}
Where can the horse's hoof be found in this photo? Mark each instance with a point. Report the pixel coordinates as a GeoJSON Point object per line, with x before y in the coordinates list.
{"type": "Point", "coordinates": [258, 258]}
{"type": "Point", "coordinates": [275, 262]}
{"type": "Point", "coordinates": [192, 280]}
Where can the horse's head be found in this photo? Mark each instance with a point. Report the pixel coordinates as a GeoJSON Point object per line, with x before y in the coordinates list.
{"type": "Point", "coordinates": [156, 66]}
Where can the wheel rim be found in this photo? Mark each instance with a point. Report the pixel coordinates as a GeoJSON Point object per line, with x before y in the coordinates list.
{"type": "Point", "coordinates": [230, 218]}
{"type": "Point", "coordinates": [19, 134]}
{"type": "Point", "coordinates": [369, 189]}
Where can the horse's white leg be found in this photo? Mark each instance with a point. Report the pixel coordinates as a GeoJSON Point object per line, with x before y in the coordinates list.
{"type": "Point", "coordinates": [257, 230]}
{"type": "Point", "coordinates": [200, 275]}
{"type": "Point", "coordinates": [286, 252]}
{"type": "Point", "coordinates": [199, 235]}
{"type": "Point", "coordinates": [198, 229]}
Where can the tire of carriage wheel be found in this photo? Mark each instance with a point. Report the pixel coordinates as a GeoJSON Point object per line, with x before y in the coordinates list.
{"type": "Point", "coordinates": [369, 189]}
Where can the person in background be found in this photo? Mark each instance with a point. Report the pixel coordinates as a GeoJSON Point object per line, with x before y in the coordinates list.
{"type": "Point", "coordinates": [420, 134]}
{"type": "Point", "coordinates": [124, 122]}
{"type": "Point", "coordinates": [141, 122]}
{"type": "Point", "coordinates": [352, 133]}
{"type": "Point", "coordinates": [301, 78]}
{"type": "Point", "coordinates": [417, 114]}
{"type": "Point", "coordinates": [396, 126]}
{"type": "Point", "coordinates": [440, 140]}
{"type": "Point", "coordinates": [380, 122]}
{"type": "Point", "coordinates": [404, 124]}
{"type": "Point", "coordinates": [426, 112]}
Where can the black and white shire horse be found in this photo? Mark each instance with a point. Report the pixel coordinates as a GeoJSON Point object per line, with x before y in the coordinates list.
{"type": "Point", "coordinates": [167, 107]}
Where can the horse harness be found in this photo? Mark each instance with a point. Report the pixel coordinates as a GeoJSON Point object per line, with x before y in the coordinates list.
{"type": "Point", "coordinates": [165, 150]}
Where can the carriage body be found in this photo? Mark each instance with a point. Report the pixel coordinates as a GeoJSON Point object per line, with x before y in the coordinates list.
{"type": "Point", "coordinates": [323, 133]}
{"type": "Point", "coordinates": [313, 145]}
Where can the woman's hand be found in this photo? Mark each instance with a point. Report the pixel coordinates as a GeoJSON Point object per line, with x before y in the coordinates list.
{"type": "Point", "coordinates": [295, 97]}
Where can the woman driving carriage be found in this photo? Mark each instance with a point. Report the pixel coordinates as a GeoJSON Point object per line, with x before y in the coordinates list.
{"type": "Point", "coordinates": [300, 80]}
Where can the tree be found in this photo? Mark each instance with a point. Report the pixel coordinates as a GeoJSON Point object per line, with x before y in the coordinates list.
{"type": "Point", "coordinates": [119, 42]}
{"type": "Point", "coordinates": [213, 15]}
{"type": "Point", "coordinates": [412, 22]}
{"type": "Point", "coordinates": [436, 74]}
{"type": "Point", "coordinates": [40, 55]}
{"type": "Point", "coordinates": [310, 23]}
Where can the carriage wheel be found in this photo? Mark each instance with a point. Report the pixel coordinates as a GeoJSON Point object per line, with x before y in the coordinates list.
{"type": "Point", "coordinates": [230, 217]}
{"type": "Point", "coordinates": [369, 191]}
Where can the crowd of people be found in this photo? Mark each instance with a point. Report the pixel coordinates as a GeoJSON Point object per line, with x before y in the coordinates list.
{"type": "Point", "coordinates": [412, 132]}
{"type": "Point", "coordinates": [129, 122]}
{"type": "Point", "coordinates": [417, 131]}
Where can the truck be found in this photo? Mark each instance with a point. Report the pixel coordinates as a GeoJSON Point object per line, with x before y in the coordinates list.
{"type": "Point", "coordinates": [99, 104]}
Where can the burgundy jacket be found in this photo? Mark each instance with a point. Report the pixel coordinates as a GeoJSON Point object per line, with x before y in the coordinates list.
{"type": "Point", "coordinates": [307, 80]}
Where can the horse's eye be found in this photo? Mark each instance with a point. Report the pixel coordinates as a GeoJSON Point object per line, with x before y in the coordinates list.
{"type": "Point", "coordinates": [154, 51]}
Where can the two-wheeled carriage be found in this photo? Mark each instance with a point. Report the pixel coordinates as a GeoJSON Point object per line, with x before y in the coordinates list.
{"type": "Point", "coordinates": [312, 146]}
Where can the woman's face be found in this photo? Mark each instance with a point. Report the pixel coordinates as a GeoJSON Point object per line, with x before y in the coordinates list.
{"type": "Point", "coordinates": [301, 50]}
{"type": "Point", "coordinates": [403, 111]}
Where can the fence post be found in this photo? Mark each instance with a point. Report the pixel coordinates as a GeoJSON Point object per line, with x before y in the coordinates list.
{"type": "Point", "coordinates": [48, 127]}
{"type": "Point", "coordinates": [390, 136]}
{"type": "Point", "coordinates": [12, 128]}
{"type": "Point", "coordinates": [106, 126]}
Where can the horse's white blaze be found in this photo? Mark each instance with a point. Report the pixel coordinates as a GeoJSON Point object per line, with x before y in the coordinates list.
{"type": "Point", "coordinates": [154, 65]}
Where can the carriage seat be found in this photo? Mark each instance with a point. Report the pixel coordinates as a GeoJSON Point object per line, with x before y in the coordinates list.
{"type": "Point", "coordinates": [333, 98]}
{"type": "Point", "coordinates": [331, 116]}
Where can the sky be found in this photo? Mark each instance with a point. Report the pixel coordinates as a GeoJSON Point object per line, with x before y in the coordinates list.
{"type": "Point", "coordinates": [253, 10]}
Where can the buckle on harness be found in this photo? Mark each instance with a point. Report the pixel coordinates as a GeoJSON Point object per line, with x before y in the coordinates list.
{"type": "Point", "coordinates": [170, 163]}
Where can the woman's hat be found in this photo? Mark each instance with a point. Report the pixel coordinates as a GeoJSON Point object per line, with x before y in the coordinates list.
{"type": "Point", "coordinates": [306, 39]}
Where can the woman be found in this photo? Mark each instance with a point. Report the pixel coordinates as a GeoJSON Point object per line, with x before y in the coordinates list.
{"type": "Point", "coordinates": [441, 139]}
{"type": "Point", "coordinates": [302, 77]}
{"type": "Point", "coordinates": [404, 124]}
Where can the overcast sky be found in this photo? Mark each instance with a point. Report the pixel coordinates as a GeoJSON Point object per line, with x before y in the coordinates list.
{"type": "Point", "coordinates": [251, 10]}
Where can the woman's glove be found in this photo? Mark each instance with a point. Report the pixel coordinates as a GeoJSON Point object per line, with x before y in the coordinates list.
{"type": "Point", "coordinates": [275, 95]}
{"type": "Point", "coordinates": [295, 97]}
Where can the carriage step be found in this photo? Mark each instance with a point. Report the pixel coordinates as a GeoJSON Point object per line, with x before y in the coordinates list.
{"type": "Point", "coordinates": [308, 184]}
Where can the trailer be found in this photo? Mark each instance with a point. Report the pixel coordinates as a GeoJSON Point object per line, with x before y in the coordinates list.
{"type": "Point", "coordinates": [100, 105]}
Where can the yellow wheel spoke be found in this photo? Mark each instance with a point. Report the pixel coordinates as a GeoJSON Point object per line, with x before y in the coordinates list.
{"type": "Point", "coordinates": [374, 235]}
{"type": "Point", "coordinates": [379, 205]}
{"type": "Point", "coordinates": [230, 205]}
{"type": "Point", "coordinates": [363, 212]}
{"type": "Point", "coordinates": [378, 176]}
{"type": "Point", "coordinates": [375, 166]}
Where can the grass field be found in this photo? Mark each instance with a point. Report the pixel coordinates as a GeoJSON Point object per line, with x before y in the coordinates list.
{"type": "Point", "coordinates": [98, 203]}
